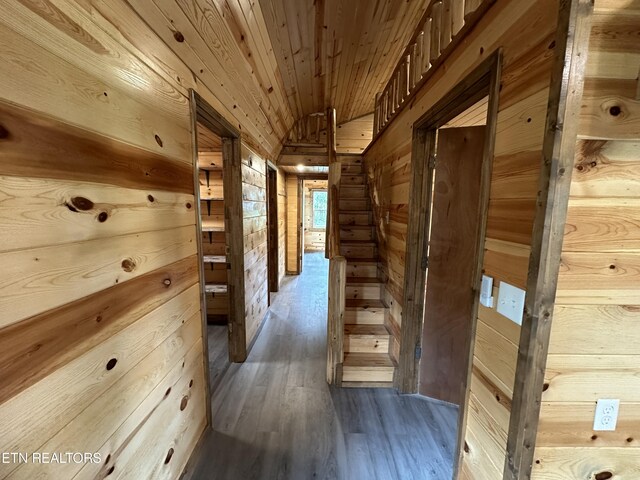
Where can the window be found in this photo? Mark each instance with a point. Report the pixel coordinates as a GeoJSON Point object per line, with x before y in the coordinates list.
{"type": "Point", "coordinates": [319, 199]}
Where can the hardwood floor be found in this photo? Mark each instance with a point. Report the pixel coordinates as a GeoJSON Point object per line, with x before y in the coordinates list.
{"type": "Point", "coordinates": [275, 417]}
{"type": "Point", "coordinates": [218, 353]}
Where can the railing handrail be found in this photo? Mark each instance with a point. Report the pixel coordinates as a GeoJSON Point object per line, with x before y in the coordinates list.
{"type": "Point", "coordinates": [443, 24]}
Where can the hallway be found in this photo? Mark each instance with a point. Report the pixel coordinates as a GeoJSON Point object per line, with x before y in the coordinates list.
{"type": "Point", "coordinates": [274, 416]}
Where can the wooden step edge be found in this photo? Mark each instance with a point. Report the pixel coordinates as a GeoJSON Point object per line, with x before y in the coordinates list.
{"type": "Point", "coordinates": [213, 229]}
{"type": "Point", "coordinates": [353, 212]}
{"type": "Point", "coordinates": [364, 303]}
{"type": "Point", "coordinates": [212, 199]}
{"type": "Point", "coordinates": [368, 360]}
{"type": "Point", "coordinates": [355, 227]}
{"type": "Point", "coordinates": [356, 260]}
{"type": "Point", "coordinates": [367, 385]}
{"type": "Point", "coordinates": [364, 281]}
{"type": "Point", "coordinates": [381, 330]}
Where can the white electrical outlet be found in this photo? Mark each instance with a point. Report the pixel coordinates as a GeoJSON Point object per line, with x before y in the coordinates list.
{"type": "Point", "coordinates": [606, 416]}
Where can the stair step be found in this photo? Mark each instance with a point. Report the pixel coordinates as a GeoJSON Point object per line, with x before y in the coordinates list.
{"type": "Point", "coordinates": [358, 217]}
{"type": "Point", "coordinates": [355, 204]}
{"type": "Point", "coordinates": [356, 232]}
{"type": "Point", "coordinates": [366, 339]}
{"type": "Point", "coordinates": [349, 168]}
{"type": "Point", "coordinates": [353, 191]}
{"type": "Point", "coordinates": [364, 303]}
{"type": "Point", "coordinates": [364, 311]}
{"type": "Point", "coordinates": [358, 249]}
{"type": "Point", "coordinates": [368, 267]}
{"type": "Point", "coordinates": [352, 179]}
{"type": "Point", "coordinates": [367, 291]}
{"type": "Point", "coordinates": [367, 367]}
{"type": "Point", "coordinates": [363, 280]}
{"type": "Point", "coordinates": [366, 330]}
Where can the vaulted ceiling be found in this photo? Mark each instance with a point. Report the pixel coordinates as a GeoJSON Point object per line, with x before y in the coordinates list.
{"type": "Point", "coordinates": [338, 53]}
{"type": "Point", "coordinates": [263, 64]}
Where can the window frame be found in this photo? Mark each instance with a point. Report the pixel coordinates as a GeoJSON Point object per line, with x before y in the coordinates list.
{"type": "Point", "coordinates": [313, 209]}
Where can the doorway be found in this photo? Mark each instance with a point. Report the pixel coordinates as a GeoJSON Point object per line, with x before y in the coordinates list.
{"type": "Point", "coordinates": [216, 160]}
{"type": "Point", "coordinates": [452, 232]}
{"type": "Point", "coordinates": [451, 157]}
{"type": "Point", "coordinates": [314, 194]}
{"type": "Point", "coordinates": [272, 226]}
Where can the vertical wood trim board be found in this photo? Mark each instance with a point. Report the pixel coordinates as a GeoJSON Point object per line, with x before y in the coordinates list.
{"type": "Point", "coordinates": [594, 349]}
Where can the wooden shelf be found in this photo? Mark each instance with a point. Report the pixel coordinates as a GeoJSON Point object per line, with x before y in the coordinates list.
{"type": "Point", "coordinates": [214, 259]}
{"type": "Point", "coordinates": [212, 199]}
{"type": "Point", "coordinates": [212, 229]}
{"type": "Point", "coordinates": [215, 288]}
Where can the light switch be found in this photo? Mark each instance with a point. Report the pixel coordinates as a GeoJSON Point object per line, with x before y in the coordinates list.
{"type": "Point", "coordinates": [511, 302]}
{"type": "Point", "coordinates": [486, 290]}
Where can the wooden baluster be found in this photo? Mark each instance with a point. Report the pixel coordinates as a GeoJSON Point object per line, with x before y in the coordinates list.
{"type": "Point", "coordinates": [392, 96]}
{"type": "Point", "coordinates": [426, 46]}
{"type": "Point", "coordinates": [398, 88]}
{"type": "Point", "coordinates": [375, 115]}
{"type": "Point", "coordinates": [445, 29]}
{"type": "Point", "coordinates": [471, 6]}
{"type": "Point", "coordinates": [457, 16]}
{"type": "Point", "coordinates": [407, 78]}
{"type": "Point", "coordinates": [436, 27]}
{"type": "Point", "coordinates": [413, 57]}
{"type": "Point", "coordinates": [418, 62]}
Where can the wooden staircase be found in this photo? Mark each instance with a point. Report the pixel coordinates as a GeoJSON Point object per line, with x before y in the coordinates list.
{"type": "Point", "coordinates": [367, 339]}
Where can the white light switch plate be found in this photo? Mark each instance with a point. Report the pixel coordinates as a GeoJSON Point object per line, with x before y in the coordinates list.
{"type": "Point", "coordinates": [606, 416]}
{"type": "Point", "coordinates": [486, 290]}
{"type": "Point", "coordinates": [511, 302]}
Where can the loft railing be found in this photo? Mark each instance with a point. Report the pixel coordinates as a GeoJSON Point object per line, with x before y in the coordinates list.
{"type": "Point", "coordinates": [442, 26]}
{"type": "Point", "coordinates": [308, 131]}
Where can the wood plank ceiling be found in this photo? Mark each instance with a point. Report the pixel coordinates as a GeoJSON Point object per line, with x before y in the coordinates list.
{"type": "Point", "coordinates": [338, 53]}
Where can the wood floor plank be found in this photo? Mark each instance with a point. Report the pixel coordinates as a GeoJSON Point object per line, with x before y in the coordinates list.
{"type": "Point", "coordinates": [276, 417]}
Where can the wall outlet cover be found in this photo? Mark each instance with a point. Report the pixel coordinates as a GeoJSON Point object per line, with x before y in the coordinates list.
{"type": "Point", "coordinates": [606, 417]}
{"type": "Point", "coordinates": [511, 302]}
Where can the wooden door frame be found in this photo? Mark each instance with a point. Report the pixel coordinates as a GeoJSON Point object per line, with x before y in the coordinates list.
{"type": "Point", "coordinates": [203, 113]}
{"type": "Point", "coordinates": [483, 81]}
{"type": "Point", "coordinates": [272, 230]}
{"type": "Point", "coordinates": [300, 224]}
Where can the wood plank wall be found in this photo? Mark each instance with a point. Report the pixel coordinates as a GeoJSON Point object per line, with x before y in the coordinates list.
{"type": "Point", "coordinates": [254, 207]}
{"type": "Point", "coordinates": [314, 238]}
{"type": "Point", "coordinates": [595, 338]}
{"type": "Point", "coordinates": [525, 29]}
{"type": "Point", "coordinates": [100, 308]}
{"type": "Point", "coordinates": [100, 304]}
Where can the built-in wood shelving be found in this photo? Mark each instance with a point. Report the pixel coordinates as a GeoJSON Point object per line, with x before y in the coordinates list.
{"type": "Point", "coordinates": [213, 236]}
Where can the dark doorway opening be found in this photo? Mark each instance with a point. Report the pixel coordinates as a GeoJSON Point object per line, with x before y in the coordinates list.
{"type": "Point", "coordinates": [272, 226]}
